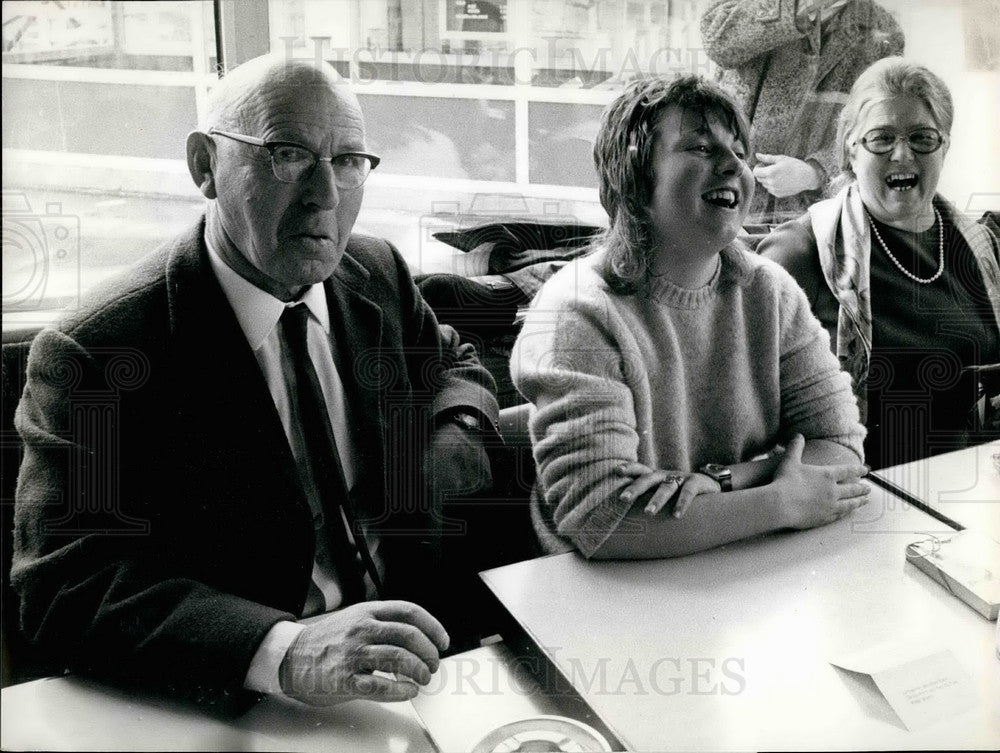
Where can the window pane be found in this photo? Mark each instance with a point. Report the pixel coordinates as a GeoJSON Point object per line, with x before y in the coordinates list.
{"type": "Point", "coordinates": [98, 99]}
{"type": "Point", "coordinates": [153, 36]}
{"type": "Point", "coordinates": [112, 119]}
{"type": "Point", "coordinates": [562, 143]}
{"type": "Point", "coordinates": [443, 138]}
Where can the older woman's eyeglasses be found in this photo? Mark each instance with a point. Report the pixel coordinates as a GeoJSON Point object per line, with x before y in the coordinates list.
{"type": "Point", "coordinates": [292, 163]}
{"type": "Point", "coordinates": [883, 141]}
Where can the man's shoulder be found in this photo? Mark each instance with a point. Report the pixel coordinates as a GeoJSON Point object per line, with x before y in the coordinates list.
{"type": "Point", "coordinates": [129, 301]}
{"type": "Point", "coordinates": [371, 252]}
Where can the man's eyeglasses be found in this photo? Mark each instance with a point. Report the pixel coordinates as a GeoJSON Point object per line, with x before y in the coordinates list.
{"type": "Point", "coordinates": [883, 141]}
{"type": "Point", "coordinates": [292, 163]}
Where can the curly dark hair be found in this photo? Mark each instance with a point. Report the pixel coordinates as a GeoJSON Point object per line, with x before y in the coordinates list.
{"type": "Point", "coordinates": [623, 155]}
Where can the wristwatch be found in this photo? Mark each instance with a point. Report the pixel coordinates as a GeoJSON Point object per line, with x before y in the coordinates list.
{"type": "Point", "coordinates": [466, 420]}
{"type": "Point", "coordinates": [721, 473]}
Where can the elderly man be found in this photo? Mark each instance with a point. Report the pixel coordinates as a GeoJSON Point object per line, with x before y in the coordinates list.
{"type": "Point", "coordinates": [255, 425]}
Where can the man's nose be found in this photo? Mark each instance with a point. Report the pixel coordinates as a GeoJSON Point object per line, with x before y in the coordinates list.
{"type": "Point", "coordinates": [320, 188]}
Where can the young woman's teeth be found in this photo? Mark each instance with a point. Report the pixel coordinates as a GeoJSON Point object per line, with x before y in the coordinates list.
{"type": "Point", "coordinates": [901, 181]}
{"type": "Point", "coordinates": [723, 197]}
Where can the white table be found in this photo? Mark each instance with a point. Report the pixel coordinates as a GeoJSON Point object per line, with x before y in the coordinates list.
{"type": "Point", "coordinates": [729, 649]}
{"type": "Point", "coordinates": [963, 486]}
{"type": "Point", "coordinates": [471, 694]}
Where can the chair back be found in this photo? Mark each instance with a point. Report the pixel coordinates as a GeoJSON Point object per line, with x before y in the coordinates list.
{"type": "Point", "coordinates": [19, 661]}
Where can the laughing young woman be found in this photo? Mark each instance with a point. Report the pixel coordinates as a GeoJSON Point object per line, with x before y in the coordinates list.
{"type": "Point", "coordinates": [662, 364]}
{"type": "Point", "coordinates": [908, 289]}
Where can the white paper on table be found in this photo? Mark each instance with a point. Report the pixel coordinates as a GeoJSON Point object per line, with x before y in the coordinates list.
{"type": "Point", "coordinates": [922, 681]}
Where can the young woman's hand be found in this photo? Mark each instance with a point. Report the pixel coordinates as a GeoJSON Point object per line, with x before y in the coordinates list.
{"type": "Point", "coordinates": [685, 486]}
{"type": "Point", "coordinates": [814, 495]}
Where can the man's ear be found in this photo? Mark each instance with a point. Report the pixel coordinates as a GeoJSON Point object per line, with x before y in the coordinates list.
{"type": "Point", "coordinates": [200, 160]}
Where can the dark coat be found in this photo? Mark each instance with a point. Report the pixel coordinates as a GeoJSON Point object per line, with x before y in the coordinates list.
{"type": "Point", "coordinates": [160, 528]}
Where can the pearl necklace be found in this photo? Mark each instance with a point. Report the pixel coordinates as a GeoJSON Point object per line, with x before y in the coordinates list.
{"type": "Point", "coordinates": [899, 266]}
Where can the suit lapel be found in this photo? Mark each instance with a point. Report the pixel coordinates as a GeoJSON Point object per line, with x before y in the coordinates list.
{"type": "Point", "coordinates": [356, 331]}
{"type": "Point", "coordinates": [221, 381]}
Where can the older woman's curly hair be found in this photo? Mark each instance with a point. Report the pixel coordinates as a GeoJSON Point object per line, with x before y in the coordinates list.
{"type": "Point", "coordinates": [623, 155]}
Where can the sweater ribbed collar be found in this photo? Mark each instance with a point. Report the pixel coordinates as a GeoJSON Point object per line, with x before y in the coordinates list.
{"type": "Point", "coordinates": [733, 269]}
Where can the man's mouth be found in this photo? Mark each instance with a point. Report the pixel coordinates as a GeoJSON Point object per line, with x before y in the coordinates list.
{"type": "Point", "coordinates": [726, 198]}
{"type": "Point", "coordinates": [901, 181]}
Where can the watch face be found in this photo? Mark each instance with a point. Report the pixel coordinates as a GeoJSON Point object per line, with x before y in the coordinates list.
{"type": "Point", "coordinates": [467, 420]}
{"type": "Point", "coordinates": [720, 473]}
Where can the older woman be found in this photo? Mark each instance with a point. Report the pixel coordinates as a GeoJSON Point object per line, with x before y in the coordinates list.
{"type": "Point", "coordinates": [667, 366]}
{"type": "Point", "coordinates": [908, 289]}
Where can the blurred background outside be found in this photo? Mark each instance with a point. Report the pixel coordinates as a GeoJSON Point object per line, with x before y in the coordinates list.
{"type": "Point", "coordinates": [478, 109]}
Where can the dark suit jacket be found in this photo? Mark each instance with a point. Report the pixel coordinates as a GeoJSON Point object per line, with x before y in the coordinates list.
{"type": "Point", "coordinates": [160, 526]}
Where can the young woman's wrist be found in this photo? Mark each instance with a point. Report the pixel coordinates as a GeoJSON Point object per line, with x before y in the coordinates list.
{"type": "Point", "coordinates": [753, 473]}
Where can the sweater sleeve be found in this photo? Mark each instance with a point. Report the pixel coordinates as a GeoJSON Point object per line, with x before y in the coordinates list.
{"type": "Point", "coordinates": [737, 31]}
{"type": "Point", "coordinates": [816, 396]}
{"type": "Point", "coordinates": [569, 363]}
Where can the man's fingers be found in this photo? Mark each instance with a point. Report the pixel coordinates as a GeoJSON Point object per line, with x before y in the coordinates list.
{"type": "Point", "coordinates": [768, 159]}
{"type": "Point", "coordinates": [409, 613]}
{"type": "Point", "coordinates": [398, 661]}
{"type": "Point", "coordinates": [408, 637]}
{"type": "Point", "coordinates": [384, 689]}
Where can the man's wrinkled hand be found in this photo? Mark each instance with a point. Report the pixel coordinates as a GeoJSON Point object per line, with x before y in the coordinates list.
{"type": "Point", "coordinates": [334, 658]}
{"type": "Point", "coordinates": [456, 461]}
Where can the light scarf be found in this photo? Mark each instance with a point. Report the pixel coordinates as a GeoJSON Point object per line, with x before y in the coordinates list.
{"type": "Point", "coordinates": [843, 238]}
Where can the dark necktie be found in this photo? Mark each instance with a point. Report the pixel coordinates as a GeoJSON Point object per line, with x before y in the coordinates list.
{"type": "Point", "coordinates": [324, 459]}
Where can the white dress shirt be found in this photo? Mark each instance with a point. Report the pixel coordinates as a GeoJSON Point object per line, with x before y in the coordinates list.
{"type": "Point", "coordinates": [258, 313]}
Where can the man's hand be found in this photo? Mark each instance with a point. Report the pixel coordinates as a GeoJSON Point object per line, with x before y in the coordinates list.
{"type": "Point", "coordinates": [333, 658]}
{"type": "Point", "coordinates": [785, 176]}
{"type": "Point", "coordinates": [456, 461]}
{"type": "Point", "coordinates": [814, 495]}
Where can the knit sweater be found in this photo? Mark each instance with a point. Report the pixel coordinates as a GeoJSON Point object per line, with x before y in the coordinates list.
{"type": "Point", "coordinates": [673, 378]}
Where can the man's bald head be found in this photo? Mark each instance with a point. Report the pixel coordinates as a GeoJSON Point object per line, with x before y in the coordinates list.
{"type": "Point", "coordinates": [236, 101]}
